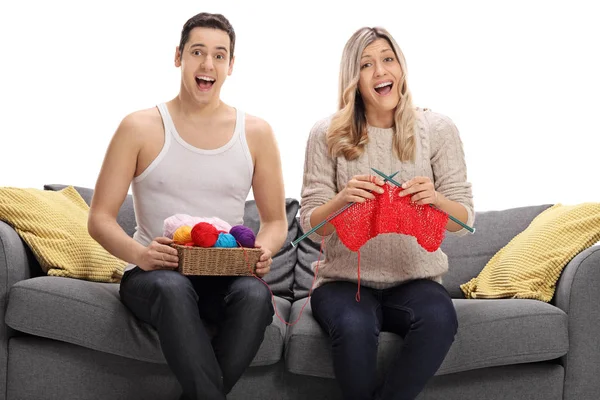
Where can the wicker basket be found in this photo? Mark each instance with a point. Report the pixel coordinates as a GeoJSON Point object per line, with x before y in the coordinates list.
{"type": "Point", "coordinates": [220, 261]}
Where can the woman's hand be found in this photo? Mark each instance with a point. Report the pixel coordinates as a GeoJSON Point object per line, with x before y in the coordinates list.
{"type": "Point", "coordinates": [359, 188]}
{"type": "Point", "coordinates": [159, 255]}
{"type": "Point", "coordinates": [421, 190]}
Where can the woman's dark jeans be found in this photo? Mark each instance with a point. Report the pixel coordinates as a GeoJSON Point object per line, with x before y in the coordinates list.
{"type": "Point", "coordinates": [176, 305]}
{"type": "Point", "coordinates": [420, 311]}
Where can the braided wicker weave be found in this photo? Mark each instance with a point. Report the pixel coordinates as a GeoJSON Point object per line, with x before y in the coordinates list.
{"type": "Point", "coordinates": [219, 261]}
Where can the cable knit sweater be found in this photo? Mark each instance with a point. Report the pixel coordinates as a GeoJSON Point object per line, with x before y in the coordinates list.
{"type": "Point", "coordinates": [387, 259]}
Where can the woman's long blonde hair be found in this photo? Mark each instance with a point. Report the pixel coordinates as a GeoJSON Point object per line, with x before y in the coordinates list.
{"type": "Point", "coordinates": [347, 134]}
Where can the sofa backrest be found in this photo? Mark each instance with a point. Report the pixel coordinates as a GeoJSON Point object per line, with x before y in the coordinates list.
{"type": "Point", "coordinates": [281, 277]}
{"type": "Point", "coordinates": [467, 255]}
{"type": "Point", "coordinates": [291, 274]}
{"type": "Point", "coordinates": [126, 217]}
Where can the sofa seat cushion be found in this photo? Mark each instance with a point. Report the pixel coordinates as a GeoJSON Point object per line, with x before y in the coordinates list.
{"type": "Point", "coordinates": [491, 333]}
{"type": "Point", "coordinates": [91, 315]}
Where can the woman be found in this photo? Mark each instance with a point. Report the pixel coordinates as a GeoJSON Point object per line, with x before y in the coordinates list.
{"type": "Point", "coordinates": [377, 126]}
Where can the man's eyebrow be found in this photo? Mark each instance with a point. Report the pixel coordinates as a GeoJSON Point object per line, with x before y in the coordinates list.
{"type": "Point", "coordinates": [223, 48]}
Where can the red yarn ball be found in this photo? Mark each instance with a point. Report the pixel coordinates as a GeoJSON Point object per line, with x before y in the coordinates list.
{"type": "Point", "coordinates": [204, 234]}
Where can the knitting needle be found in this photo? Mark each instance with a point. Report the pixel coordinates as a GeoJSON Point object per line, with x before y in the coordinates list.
{"type": "Point", "coordinates": [332, 216]}
{"type": "Point", "coordinates": [389, 178]}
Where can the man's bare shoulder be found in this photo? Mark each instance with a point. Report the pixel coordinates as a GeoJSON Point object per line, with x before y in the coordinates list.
{"type": "Point", "coordinates": [257, 127]}
{"type": "Point", "coordinates": [142, 121]}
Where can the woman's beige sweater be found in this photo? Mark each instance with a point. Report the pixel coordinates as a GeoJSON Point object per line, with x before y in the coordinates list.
{"type": "Point", "coordinates": [387, 259]}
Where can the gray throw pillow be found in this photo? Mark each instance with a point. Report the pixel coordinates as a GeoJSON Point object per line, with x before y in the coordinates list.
{"type": "Point", "coordinates": [281, 276]}
{"type": "Point", "coordinates": [308, 252]}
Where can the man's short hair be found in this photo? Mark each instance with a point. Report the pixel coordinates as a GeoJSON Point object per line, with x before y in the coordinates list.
{"type": "Point", "coordinates": [208, 20]}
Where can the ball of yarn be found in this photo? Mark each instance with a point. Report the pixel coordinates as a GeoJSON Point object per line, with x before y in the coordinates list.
{"type": "Point", "coordinates": [183, 235]}
{"type": "Point", "coordinates": [171, 224]}
{"type": "Point", "coordinates": [243, 235]}
{"type": "Point", "coordinates": [219, 224]}
{"type": "Point", "coordinates": [204, 234]}
{"type": "Point", "coordinates": [225, 240]}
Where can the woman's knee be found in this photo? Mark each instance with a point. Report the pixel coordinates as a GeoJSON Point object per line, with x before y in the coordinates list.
{"type": "Point", "coordinates": [355, 325]}
{"type": "Point", "coordinates": [438, 314]}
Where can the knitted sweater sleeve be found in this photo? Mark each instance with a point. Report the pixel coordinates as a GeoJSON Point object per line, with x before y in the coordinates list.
{"type": "Point", "coordinates": [449, 166]}
{"type": "Point", "coordinates": [319, 183]}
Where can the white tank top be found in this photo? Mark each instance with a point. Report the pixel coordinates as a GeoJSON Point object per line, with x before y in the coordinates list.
{"type": "Point", "coordinates": [184, 179]}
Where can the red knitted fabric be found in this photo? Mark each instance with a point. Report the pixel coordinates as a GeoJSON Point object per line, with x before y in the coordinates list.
{"type": "Point", "coordinates": [390, 213]}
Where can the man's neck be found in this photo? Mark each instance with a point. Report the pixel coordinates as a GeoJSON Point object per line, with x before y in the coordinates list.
{"type": "Point", "coordinates": [194, 111]}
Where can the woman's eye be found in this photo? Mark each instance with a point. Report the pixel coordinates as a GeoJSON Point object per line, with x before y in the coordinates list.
{"type": "Point", "coordinates": [365, 65]}
{"type": "Point", "coordinates": [388, 59]}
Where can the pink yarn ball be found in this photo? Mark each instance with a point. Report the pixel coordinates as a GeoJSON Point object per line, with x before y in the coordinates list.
{"type": "Point", "coordinates": [219, 224]}
{"type": "Point", "coordinates": [174, 222]}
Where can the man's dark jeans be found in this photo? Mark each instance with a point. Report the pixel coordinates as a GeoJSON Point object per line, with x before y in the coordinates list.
{"type": "Point", "coordinates": [420, 311]}
{"type": "Point", "coordinates": [176, 305]}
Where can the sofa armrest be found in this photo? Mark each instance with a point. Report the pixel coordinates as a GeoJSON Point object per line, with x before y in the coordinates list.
{"type": "Point", "coordinates": [578, 295]}
{"type": "Point", "coordinates": [16, 264]}
{"type": "Point", "coordinates": [16, 261]}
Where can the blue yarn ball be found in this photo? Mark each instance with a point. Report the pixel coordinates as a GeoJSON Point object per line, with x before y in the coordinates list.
{"type": "Point", "coordinates": [225, 240]}
{"type": "Point", "coordinates": [243, 235]}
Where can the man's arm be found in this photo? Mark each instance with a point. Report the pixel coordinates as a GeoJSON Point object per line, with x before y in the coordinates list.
{"type": "Point", "coordinates": [116, 174]}
{"type": "Point", "coordinates": [268, 189]}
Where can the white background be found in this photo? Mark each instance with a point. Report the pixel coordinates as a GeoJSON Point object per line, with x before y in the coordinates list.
{"type": "Point", "coordinates": [519, 79]}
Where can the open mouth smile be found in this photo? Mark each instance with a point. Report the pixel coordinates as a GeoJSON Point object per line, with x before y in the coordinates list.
{"type": "Point", "coordinates": [384, 88]}
{"type": "Point", "coordinates": [204, 82]}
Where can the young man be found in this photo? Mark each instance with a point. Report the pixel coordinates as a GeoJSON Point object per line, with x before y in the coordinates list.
{"type": "Point", "coordinates": [199, 156]}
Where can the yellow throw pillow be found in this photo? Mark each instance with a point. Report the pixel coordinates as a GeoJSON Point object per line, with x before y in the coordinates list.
{"type": "Point", "coordinates": [54, 226]}
{"type": "Point", "coordinates": [529, 266]}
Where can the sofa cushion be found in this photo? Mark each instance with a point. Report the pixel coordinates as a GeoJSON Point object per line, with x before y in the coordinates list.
{"type": "Point", "coordinates": [126, 216]}
{"type": "Point", "coordinates": [281, 276]}
{"type": "Point", "coordinates": [54, 226]}
{"type": "Point", "coordinates": [467, 255]}
{"type": "Point", "coordinates": [91, 315]}
{"type": "Point", "coordinates": [491, 333]}
{"type": "Point", "coordinates": [529, 266]}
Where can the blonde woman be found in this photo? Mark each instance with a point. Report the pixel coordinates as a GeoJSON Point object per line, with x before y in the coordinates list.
{"type": "Point", "coordinates": [377, 126]}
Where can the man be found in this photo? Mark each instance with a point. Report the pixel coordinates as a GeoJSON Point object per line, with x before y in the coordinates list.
{"type": "Point", "coordinates": [199, 156]}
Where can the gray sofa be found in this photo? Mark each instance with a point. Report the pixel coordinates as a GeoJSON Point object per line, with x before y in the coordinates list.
{"type": "Point", "coordinates": [70, 339]}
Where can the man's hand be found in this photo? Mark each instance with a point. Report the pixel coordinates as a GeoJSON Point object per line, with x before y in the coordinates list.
{"type": "Point", "coordinates": [159, 255]}
{"type": "Point", "coordinates": [263, 266]}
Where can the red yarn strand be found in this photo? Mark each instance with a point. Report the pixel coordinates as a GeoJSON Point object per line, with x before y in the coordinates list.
{"type": "Point", "coordinates": [273, 296]}
{"type": "Point", "coordinates": [357, 297]}
{"type": "Point", "coordinates": [388, 213]}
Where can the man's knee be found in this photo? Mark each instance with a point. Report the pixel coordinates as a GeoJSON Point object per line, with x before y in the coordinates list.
{"type": "Point", "coordinates": [251, 294]}
{"type": "Point", "coordinates": [172, 286]}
